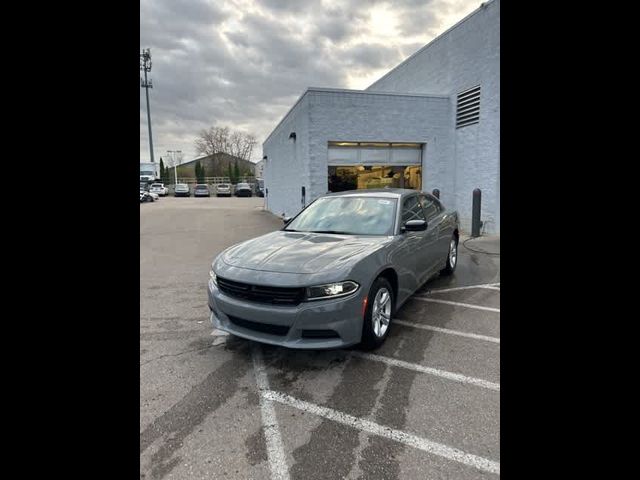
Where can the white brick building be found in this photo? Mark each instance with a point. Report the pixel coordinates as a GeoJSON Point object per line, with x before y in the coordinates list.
{"type": "Point", "coordinates": [431, 122]}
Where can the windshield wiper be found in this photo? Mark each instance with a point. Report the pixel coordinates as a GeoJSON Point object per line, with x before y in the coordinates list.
{"type": "Point", "coordinates": [330, 231]}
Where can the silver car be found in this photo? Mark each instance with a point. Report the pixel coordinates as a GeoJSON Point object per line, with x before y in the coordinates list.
{"type": "Point", "coordinates": [223, 189]}
{"type": "Point", "coordinates": [337, 272]}
{"type": "Point", "coordinates": [182, 190]}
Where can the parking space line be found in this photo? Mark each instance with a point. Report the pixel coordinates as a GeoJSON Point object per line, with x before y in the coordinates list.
{"type": "Point", "coordinates": [457, 304]}
{"type": "Point", "coordinates": [446, 330]}
{"type": "Point", "coordinates": [457, 377]}
{"type": "Point", "coordinates": [488, 286]}
{"type": "Point", "coordinates": [368, 426]}
{"type": "Point", "coordinates": [275, 449]}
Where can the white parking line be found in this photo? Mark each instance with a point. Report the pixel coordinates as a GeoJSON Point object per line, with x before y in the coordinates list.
{"type": "Point", "coordinates": [457, 304]}
{"type": "Point", "coordinates": [488, 286]}
{"type": "Point", "coordinates": [368, 426]}
{"type": "Point", "coordinates": [446, 330]}
{"type": "Point", "coordinates": [457, 377]}
{"type": "Point", "coordinates": [275, 449]}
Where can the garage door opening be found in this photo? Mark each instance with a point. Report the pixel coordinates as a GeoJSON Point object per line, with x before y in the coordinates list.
{"type": "Point", "coordinates": [365, 165]}
{"type": "Point", "coordinates": [342, 178]}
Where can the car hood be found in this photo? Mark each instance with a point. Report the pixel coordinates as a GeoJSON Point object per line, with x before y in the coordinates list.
{"type": "Point", "coordinates": [300, 252]}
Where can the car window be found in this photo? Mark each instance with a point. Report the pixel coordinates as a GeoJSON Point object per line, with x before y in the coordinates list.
{"type": "Point", "coordinates": [411, 210]}
{"type": "Point", "coordinates": [349, 215]}
{"type": "Point", "coordinates": [431, 207]}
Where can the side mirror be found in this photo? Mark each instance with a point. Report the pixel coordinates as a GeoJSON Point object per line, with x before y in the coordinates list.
{"type": "Point", "coordinates": [286, 220]}
{"type": "Point", "coordinates": [415, 226]}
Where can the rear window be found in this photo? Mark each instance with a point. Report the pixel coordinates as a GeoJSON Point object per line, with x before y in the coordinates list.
{"type": "Point", "coordinates": [223, 185]}
{"type": "Point", "coordinates": [156, 185]}
{"type": "Point", "coordinates": [201, 187]}
{"type": "Point", "coordinates": [243, 185]}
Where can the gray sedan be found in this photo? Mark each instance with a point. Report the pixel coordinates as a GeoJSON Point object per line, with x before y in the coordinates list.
{"type": "Point", "coordinates": [337, 272]}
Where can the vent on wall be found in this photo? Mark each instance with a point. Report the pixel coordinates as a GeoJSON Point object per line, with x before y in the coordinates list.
{"type": "Point", "coordinates": [468, 109]}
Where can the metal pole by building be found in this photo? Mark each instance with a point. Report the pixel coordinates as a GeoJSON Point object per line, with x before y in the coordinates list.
{"type": "Point", "coordinates": [145, 65]}
{"type": "Point", "coordinates": [476, 209]}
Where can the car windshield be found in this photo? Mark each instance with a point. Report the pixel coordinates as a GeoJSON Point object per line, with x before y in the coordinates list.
{"type": "Point", "coordinates": [243, 185]}
{"type": "Point", "coordinates": [223, 185]}
{"type": "Point", "coordinates": [157, 185]}
{"type": "Point", "coordinates": [181, 185]}
{"type": "Point", "coordinates": [348, 215]}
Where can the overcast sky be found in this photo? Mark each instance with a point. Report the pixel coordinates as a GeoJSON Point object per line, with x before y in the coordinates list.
{"type": "Point", "coordinates": [243, 63]}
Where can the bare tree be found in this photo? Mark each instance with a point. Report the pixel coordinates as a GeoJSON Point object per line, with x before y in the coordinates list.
{"type": "Point", "coordinates": [222, 140]}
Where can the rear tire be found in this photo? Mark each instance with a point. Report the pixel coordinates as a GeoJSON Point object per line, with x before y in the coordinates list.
{"type": "Point", "coordinates": [378, 315]}
{"type": "Point", "coordinates": [452, 258]}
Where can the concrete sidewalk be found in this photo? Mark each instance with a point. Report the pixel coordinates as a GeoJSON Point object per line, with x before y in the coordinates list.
{"type": "Point", "coordinates": [484, 243]}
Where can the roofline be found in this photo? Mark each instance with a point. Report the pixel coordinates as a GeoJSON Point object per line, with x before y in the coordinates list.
{"type": "Point", "coordinates": [376, 92]}
{"type": "Point", "coordinates": [482, 6]}
{"type": "Point", "coordinates": [285, 117]}
{"type": "Point", "coordinates": [207, 156]}
{"type": "Point", "coordinates": [347, 90]}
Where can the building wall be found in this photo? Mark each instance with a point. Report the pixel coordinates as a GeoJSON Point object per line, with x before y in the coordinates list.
{"type": "Point", "coordinates": [259, 169]}
{"type": "Point", "coordinates": [455, 161]}
{"type": "Point", "coordinates": [323, 115]}
{"type": "Point", "coordinates": [216, 165]}
{"type": "Point", "coordinates": [286, 169]}
{"type": "Point", "coordinates": [466, 55]}
{"type": "Point", "coordinates": [364, 116]}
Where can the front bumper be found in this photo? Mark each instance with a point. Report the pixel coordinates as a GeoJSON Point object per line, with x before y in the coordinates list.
{"type": "Point", "coordinates": [341, 315]}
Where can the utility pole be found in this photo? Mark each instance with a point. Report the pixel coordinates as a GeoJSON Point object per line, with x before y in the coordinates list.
{"type": "Point", "coordinates": [175, 163]}
{"type": "Point", "coordinates": [145, 65]}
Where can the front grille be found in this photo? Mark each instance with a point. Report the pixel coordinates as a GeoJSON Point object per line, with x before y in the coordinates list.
{"type": "Point", "coordinates": [269, 328]}
{"type": "Point", "coordinates": [261, 294]}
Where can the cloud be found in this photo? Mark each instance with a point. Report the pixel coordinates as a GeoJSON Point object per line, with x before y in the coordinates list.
{"type": "Point", "coordinates": [243, 63]}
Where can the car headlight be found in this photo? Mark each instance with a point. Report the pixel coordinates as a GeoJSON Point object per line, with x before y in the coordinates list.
{"type": "Point", "coordinates": [213, 278]}
{"type": "Point", "coordinates": [332, 290]}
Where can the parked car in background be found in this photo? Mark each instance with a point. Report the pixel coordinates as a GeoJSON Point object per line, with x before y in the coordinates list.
{"type": "Point", "coordinates": [260, 187]}
{"type": "Point", "coordinates": [336, 273]}
{"type": "Point", "coordinates": [145, 196]}
{"type": "Point", "coordinates": [182, 190]}
{"type": "Point", "coordinates": [243, 190]}
{"type": "Point", "coordinates": [201, 190]}
{"type": "Point", "coordinates": [160, 189]}
{"type": "Point", "coordinates": [223, 190]}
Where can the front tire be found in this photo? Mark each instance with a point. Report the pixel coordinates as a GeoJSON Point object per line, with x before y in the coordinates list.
{"type": "Point", "coordinates": [378, 315]}
{"type": "Point", "coordinates": [452, 257]}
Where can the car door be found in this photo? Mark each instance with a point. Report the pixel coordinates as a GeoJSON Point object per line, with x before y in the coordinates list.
{"type": "Point", "coordinates": [417, 245]}
{"type": "Point", "coordinates": [434, 212]}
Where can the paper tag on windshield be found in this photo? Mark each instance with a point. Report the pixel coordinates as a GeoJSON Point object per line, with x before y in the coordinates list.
{"type": "Point", "coordinates": [385, 202]}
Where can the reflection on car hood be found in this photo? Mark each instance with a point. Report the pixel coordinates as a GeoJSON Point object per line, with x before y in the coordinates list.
{"type": "Point", "coordinates": [300, 252]}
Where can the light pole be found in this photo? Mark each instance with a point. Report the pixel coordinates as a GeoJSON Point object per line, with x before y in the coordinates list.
{"type": "Point", "coordinates": [145, 65]}
{"type": "Point", "coordinates": [173, 160]}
